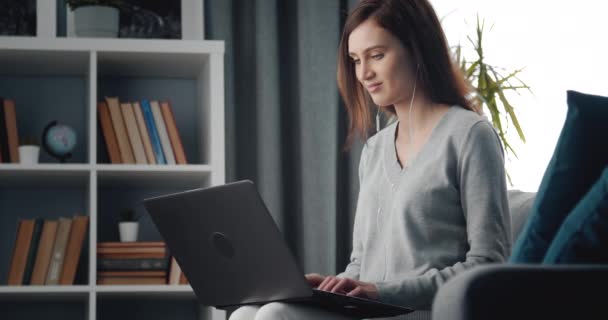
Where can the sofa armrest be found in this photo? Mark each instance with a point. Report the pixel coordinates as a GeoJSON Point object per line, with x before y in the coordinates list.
{"type": "Point", "coordinates": [507, 291]}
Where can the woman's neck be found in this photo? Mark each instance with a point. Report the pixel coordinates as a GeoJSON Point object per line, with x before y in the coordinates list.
{"type": "Point", "coordinates": [422, 114]}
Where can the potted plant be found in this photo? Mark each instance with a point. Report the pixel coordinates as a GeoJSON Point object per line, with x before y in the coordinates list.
{"type": "Point", "coordinates": [490, 86]}
{"type": "Point", "coordinates": [95, 18]}
{"type": "Point", "coordinates": [128, 226]}
{"type": "Point", "coordinates": [29, 150]}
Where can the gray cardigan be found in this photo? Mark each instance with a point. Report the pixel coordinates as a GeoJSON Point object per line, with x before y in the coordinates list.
{"type": "Point", "coordinates": [447, 211]}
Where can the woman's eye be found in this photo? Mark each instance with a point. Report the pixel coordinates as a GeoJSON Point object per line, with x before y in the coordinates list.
{"type": "Point", "coordinates": [378, 56]}
{"type": "Point", "coordinates": [356, 61]}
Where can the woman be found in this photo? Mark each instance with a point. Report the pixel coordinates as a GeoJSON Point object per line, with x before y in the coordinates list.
{"type": "Point", "coordinates": [432, 200]}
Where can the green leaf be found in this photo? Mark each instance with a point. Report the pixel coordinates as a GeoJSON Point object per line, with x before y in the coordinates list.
{"type": "Point", "coordinates": [508, 148]}
{"type": "Point", "coordinates": [507, 106]}
{"type": "Point", "coordinates": [509, 179]}
{"type": "Point", "coordinates": [511, 113]}
{"type": "Point", "coordinates": [471, 69]}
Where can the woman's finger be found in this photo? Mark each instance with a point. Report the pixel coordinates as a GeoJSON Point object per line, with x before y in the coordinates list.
{"type": "Point", "coordinates": [314, 279]}
{"type": "Point", "coordinates": [329, 284]}
{"type": "Point", "coordinates": [356, 292]}
{"type": "Point", "coordinates": [324, 282]}
{"type": "Point", "coordinates": [344, 285]}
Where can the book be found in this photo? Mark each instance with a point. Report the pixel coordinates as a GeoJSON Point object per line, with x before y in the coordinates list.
{"type": "Point", "coordinates": [43, 257]}
{"type": "Point", "coordinates": [23, 239]}
{"type": "Point", "coordinates": [107, 129]}
{"type": "Point", "coordinates": [132, 250]}
{"type": "Point", "coordinates": [105, 264]}
{"type": "Point", "coordinates": [132, 273]}
{"type": "Point", "coordinates": [31, 256]}
{"type": "Point", "coordinates": [73, 250]}
{"type": "Point", "coordinates": [175, 272]}
{"type": "Point", "coordinates": [126, 152]}
{"type": "Point", "coordinates": [162, 132]}
{"type": "Point", "coordinates": [109, 250]}
{"type": "Point", "coordinates": [132, 255]}
{"type": "Point", "coordinates": [154, 138]}
{"type": "Point", "coordinates": [143, 132]}
{"type": "Point", "coordinates": [131, 280]}
{"type": "Point", "coordinates": [174, 137]}
{"type": "Point", "coordinates": [133, 133]}
{"type": "Point", "coordinates": [136, 244]}
{"type": "Point", "coordinates": [4, 149]}
{"type": "Point", "coordinates": [10, 118]}
{"type": "Point", "coordinates": [59, 247]}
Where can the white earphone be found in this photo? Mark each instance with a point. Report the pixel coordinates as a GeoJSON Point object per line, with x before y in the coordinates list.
{"type": "Point", "coordinates": [410, 112]}
{"type": "Point", "coordinates": [409, 118]}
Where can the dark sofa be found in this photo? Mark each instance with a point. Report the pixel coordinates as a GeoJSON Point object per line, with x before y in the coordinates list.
{"type": "Point", "coordinates": [524, 291]}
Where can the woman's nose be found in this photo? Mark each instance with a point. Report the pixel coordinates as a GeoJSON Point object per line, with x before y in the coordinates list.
{"type": "Point", "coordinates": [366, 71]}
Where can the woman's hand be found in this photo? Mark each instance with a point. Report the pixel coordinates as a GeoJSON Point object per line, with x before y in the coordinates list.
{"type": "Point", "coordinates": [314, 279]}
{"type": "Point", "coordinates": [349, 287]}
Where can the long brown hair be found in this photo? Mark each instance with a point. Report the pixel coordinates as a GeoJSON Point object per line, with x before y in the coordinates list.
{"type": "Point", "coordinates": [415, 24]}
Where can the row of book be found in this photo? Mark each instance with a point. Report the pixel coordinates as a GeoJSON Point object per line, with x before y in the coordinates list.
{"type": "Point", "coordinates": [142, 132]}
{"type": "Point", "coordinates": [137, 263]}
{"type": "Point", "coordinates": [47, 251]}
{"type": "Point", "coordinates": [9, 135]}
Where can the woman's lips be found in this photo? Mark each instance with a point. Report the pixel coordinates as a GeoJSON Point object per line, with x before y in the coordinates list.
{"type": "Point", "coordinates": [374, 87]}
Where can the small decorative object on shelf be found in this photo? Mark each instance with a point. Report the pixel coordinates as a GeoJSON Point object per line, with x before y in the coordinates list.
{"type": "Point", "coordinates": [59, 140]}
{"type": "Point", "coordinates": [129, 225]}
{"type": "Point", "coordinates": [95, 18]}
{"type": "Point", "coordinates": [29, 149]}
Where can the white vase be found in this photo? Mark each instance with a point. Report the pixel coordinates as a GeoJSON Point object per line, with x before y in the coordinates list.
{"type": "Point", "coordinates": [96, 21]}
{"type": "Point", "coordinates": [128, 231]}
{"type": "Point", "coordinates": [28, 154]}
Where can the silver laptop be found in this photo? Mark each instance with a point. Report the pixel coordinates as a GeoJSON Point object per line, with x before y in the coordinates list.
{"type": "Point", "coordinates": [233, 254]}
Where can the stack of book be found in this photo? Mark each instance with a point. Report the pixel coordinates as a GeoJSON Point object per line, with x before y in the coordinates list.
{"type": "Point", "coordinates": [132, 263]}
{"type": "Point", "coordinates": [141, 132]}
{"type": "Point", "coordinates": [9, 135]}
{"type": "Point", "coordinates": [47, 252]}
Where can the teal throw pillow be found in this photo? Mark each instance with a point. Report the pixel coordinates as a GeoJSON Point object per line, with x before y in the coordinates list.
{"type": "Point", "coordinates": [583, 236]}
{"type": "Point", "coordinates": [579, 157]}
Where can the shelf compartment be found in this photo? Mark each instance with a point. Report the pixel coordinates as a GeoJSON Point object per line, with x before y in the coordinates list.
{"type": "Point", "coordinates": [53, 86]}
{"type": "Point", "coordinates": [50, 98]}
{"type": "Point", "coordinates": [174, 77]}
{"type": "Point", "coordinates": [136, 306]}
{"type": "Point", "coordinates": [28, 202]}
{"type": "Point", "coordinates": [118, 191]}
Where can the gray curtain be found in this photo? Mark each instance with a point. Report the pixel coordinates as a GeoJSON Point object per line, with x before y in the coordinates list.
{"type": "Point", "coordinates": [285, 125]}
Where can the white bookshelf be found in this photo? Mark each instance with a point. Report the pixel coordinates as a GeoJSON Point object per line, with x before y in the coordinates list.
{"type": "Point", "coordinates": [63, 79]}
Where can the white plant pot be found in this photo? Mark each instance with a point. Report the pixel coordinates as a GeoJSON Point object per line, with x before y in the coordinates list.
{"type": "Point", "coordinates": [96, 22]}
{"type": "Point", "coordinates": [128, 231]}
{"type": "Point", "coordinates": [29, 154]}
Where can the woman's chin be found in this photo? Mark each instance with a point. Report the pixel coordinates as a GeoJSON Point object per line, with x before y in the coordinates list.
{"type": "Point", "coordinates": [382, 103]}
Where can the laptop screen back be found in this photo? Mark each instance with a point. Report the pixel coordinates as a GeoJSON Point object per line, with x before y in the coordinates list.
{"type": "Point", "coordinates": [228, 245]}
